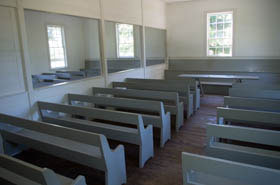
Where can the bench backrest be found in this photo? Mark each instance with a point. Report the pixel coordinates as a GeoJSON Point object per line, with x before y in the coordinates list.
{"type": "Point", "coordinates": [172, 97]}
{"type": "Point", "coordinates": [183, 90]}
{"type": "Point", "coordinates": [253, 116]}
{"type": "Point", "coordinates": [252, 103]}
{"type": "Point", "coordinates": [257, 86]}
{"type": "Point", "coordinates": [42, 176]}
{"type": "Point", "coordinates": [254, 93]}
{"type": "Point", "coordinates": [134, 104]}
{"type": "Point", "coordinates": [193, 83]}
{"type": "Point", "coordinates": [245, 134]}
{"type": "Point", "coordinates": [97, 140]}
{"type": "Point", "coordinates": [107, 115]}
{"type": "Point", "coordinates": [229, 172]}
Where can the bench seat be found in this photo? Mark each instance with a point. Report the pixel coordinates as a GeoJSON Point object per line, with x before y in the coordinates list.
{"type": "Point", "coordinates": [198, 169]}
{"type": "Point", "coordinates": [141, 136]}
{"type": "Point", "coordinates": [78, 146]}
{"type": "Point", "coordinates": [217, 83]}
{"type": "Point", "coordinates": [18, 172]}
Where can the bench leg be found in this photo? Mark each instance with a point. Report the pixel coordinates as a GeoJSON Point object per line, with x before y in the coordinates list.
{"type": "Point", "coordinates": [147, 146]}
{"type": "Point", "coordinates": [165, 131]}
{"type": "Point", "coordinates": [116, 172]}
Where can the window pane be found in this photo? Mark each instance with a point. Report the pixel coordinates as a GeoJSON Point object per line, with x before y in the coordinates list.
{"type": "Point", "coordinates": [220, 34]}
{"type": "Point", "coordinates": [125, 40]}
{"type": "Point", "coordinates": [56, 47]}
{"type": "Point", "coordinates": [213, 19]}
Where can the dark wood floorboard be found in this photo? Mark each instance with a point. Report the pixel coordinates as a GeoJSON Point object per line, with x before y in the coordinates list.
{"type": "Point", "coordinates": [163, 169]}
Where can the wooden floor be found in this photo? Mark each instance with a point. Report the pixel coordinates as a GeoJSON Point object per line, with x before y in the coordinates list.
{"type": "Point", "coordinates": [163, 169]}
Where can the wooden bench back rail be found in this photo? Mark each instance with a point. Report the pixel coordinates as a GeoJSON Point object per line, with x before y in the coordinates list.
{"type": "Point", "coordinates": [252, 103]}
{"type": "Point", "coordinates": [252, 135]}
{"type": "Point", "coordinates": [143, 137]}
{"type": "Point", "coordinates": [183, 91]}
{"type": "Point", "coordinates": [135, 93]}
{"type": "Point", "coordinates": [161, 120]}
{"type": "Point", "coordinates": [11, 168]}
{"type": "Point", "coordinates": [144, 105]}
{"type": "Point", "coordinates": [170, 99]}
{"type": "Point", "coordinates": [254, 93]}
{"type": "Point", "coordinates": [193, 84]}
{"type": "Point", "coordinates": [224, 172]}
{"type": "Point", "coordinates": [231, 114]}
{"type": "Point", "coordinates": [257, 86]}
{"type": "Point", "coordinates": [105, 159]}
{"type": "Point", "coordinates": [108, 115]}
{"type": "Point", "coordinates": [248, 154]}
{"type": "Point", "coordinates": [54, 130]}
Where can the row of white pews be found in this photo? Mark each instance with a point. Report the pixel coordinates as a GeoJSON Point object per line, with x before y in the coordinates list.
{"type": "Point", "coordinates": [193, 84]}
{"type": "Point", "coordinates": [17, 172]}
{"type": "Point", "coordinates": [99, 121]}
{"type": "Point", "coordinates": [81, 147]}
{"type": "Point", "coordinates": [154, 112]}
{"type": "Point", "coordinates": [78, 131]}
{"type": "Point", "coordinates": [170, 100]}
{"type": "Point", "coordinates": [243, 147]}
{"type": "Point", "coordinates": [184, 92]}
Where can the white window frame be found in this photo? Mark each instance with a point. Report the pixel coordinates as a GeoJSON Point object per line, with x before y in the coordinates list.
{"type": "Point", "coordinates": [63, 44]}
{"type": "Point", "coordinates": [207, 32]}
{"type": "Point", "coordinates": [117, 41]}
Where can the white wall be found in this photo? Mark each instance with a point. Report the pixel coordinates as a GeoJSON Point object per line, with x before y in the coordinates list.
{"type": "Point", "coordinates": [154, 13]}
{"type": "Point", "coordinates": [256, 29]}
{"type": "Point", "coordinates": [84, 8]}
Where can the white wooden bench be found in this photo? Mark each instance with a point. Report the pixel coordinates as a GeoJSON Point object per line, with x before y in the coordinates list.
{"type": "Point", "coordinates": [252, 103]}
{"type": "Point", "coordinates": [254, 93]}
{"type": "Point", "coordinates": [184, 92]}
{"type": "Point", "coordinates": [160, 120]}
{"type": "Point", "coordinates": [170, 99]}
{"type": "Point", "coordinates": [78, 146]}
{"type": "Point", "coordinates": [183, 82]}
{"type": "Point", "coordinates": [198, 170]}
{"type": "Point", "coordinates": [250, 154]}
{"type": "Point", "coordinates": [19, 172]}
{"type": "Point", "coordinates": [263, 118]}
{"type": "Point", "coordinates": [264, 86]}
{"type": "Point", "coordinates": [141, 136]}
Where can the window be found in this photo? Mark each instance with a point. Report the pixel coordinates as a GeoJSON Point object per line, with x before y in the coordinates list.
{"type": "Point", "coordinates": [57, 50]}
{"type": "Point", "coordinates": [125, 40]}
{"type": "Point", "coordinates": [219, 34]}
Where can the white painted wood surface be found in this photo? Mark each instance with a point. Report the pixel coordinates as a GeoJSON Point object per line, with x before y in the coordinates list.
{"type": "Point", "coordinates": [235, 77]}
{"type": "Point", "coordinates": [254, 93]}
{"type": "Point", "coordinates": [141, 136]}
{"type": "Point", "coordinates": [160, 120]}
{"type": "Point", "coordinates": [244, 153]}
{"type": "Point", "coordinates": [192, 83]}
{"type": "Point", "coordinates": [253, 117]}
{"type": "Point", "coordinates": [198, 170]}
{"type": "Point", "coordinates": [170, 99]}
{"type": "Point", "coordinates": [78, 146]}
{"type": "Point", "coordinates": [184, 92]}
{"type": "Point", "coordinates": [21, 173]}
{"type": "Point", "coordinates": [252, 103]}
